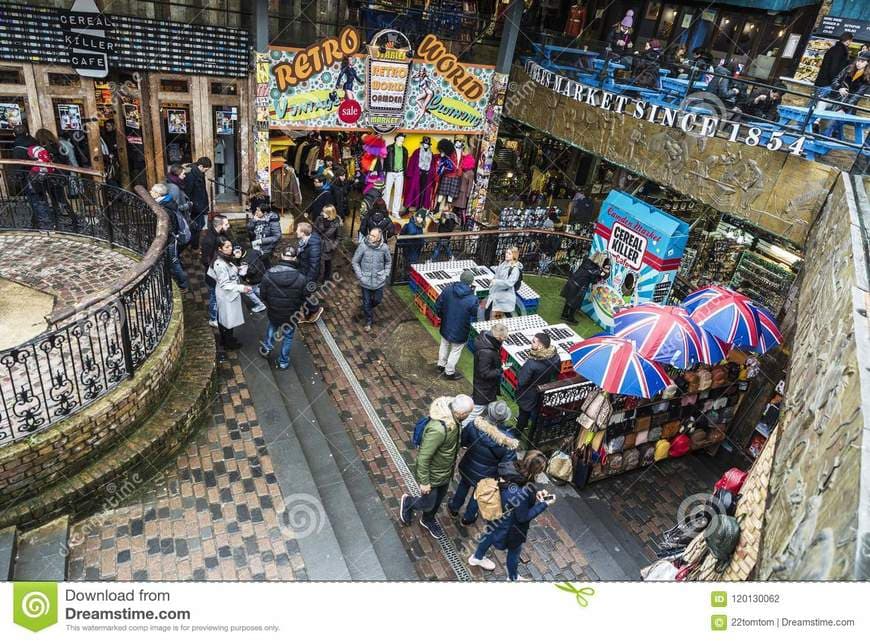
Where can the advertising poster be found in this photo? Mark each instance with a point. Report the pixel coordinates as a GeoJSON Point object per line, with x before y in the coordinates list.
{"type": "Point", "coordinates": [644, 245]}
{"type": "Point", "coordinates": [177, 121]}
{"type": "Point", "coordinates": [436, 92]}
{"type": "Point", "coordinates": [224, 124]}
{"type": "Point", "coordinates": [10, 115]}
{"type": "Point", "coordinates": [70, 117]}
{"type": "Point", "coordinates": [132, 118]}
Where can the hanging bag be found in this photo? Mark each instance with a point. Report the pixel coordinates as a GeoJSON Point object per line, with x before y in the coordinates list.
{"type": "Point", "coordinates": [488, 497]}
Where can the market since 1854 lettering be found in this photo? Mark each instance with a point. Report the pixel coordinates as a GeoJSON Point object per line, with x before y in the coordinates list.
{"type": "Point", "coordinates": [687, 121]}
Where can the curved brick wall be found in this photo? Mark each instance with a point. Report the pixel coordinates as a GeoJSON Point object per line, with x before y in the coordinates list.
{"type": "Point", "coordinates": [32, 465]}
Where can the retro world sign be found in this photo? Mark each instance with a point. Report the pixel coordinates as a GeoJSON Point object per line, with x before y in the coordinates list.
{"type": "Point", "coordinates": [384, 85]}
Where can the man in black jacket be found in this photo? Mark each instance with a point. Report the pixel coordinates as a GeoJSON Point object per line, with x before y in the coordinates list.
{"type": "Point", "coordinates": [574, 290]}
{"type": "Point", "coordinates": [28, 181]}
{"type": "Point", "coordinates": [487, 367]}
{"type": "Point", "coordinates": [340, 187]}
{"type": "Point", "coordinates": [309, 250]}
{"type": "Point", "coordinates": [283, 291]}
{"type": "Point", "coordinates": [835, 60]}
{"type": "Point", "coordinates": [196, 190]}
{"type": "Point", "coordinates": [543, 366]}
{"type": "Point", "coordinates": [209, 240]}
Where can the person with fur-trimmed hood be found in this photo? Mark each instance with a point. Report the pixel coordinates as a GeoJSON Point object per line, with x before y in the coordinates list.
{"type": "Point", "coordinates": [489, 443]}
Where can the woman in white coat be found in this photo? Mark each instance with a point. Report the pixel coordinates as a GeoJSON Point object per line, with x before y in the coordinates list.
{"type": "Point", "coordinates": [502, 300]}
{"type": "Point", "coordinates": [228, 291]}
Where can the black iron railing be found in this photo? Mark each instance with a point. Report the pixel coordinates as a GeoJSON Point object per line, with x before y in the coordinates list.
{"type": "Point", "coordinates": [540, 250]}
{"type": "Point", "coordinates": [92, 346]}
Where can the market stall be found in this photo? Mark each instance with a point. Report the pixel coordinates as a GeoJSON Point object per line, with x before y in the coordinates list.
{"type": "Point", "coordinates": [406, 121]}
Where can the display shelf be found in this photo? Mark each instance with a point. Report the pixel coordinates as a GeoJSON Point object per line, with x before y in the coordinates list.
{"type": "Point", "coordinates": [763, 280]}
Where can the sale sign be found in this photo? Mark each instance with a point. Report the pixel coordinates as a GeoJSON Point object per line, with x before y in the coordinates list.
{"type": "Point", "coordinates": [349, 111]}
{"type": "Point", "coordinates": [644, 246]}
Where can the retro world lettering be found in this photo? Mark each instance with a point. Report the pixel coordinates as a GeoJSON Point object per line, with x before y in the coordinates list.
{"type": "Point", "coordinates": [316, 58]}
{"type": "Point", "coordinates": [433, 51]}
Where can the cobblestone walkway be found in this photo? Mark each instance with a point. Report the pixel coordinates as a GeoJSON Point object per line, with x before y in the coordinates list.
{"type": "Point", "coordinates": [401, 397]}
{"type": "Point", "coordinates": [212, 514]}
{"type": "Point", "coordinates": [61, 265]}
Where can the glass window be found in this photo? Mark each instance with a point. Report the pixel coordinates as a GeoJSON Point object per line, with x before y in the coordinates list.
{"type": "Point", "coordinates": [11, 76]}
{"type": "Point", "coordinates": [723, 39]}
{"type": "Point", "coordinates": [177, 133]}
{"type": "Point", "coordinates": [224, 89]}
{"type": "Point", "coordinates": [174, 85]}
{"type": "Point", "coordinates": [667, 22]}
{"type": "Point", "coordinates": [650, 16]}
{"type": "Point", "coordinates": [747, 38]}
{"type": "Point", "coordinates": [64, 80]}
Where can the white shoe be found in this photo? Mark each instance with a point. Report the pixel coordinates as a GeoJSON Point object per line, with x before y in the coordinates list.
{"type": "Point", "coordinates": [485, 563]}
{"type": "Point", "coordinates": [521, 578]}
{"type": "Point", "coordinates": [258, 309]}
{"type": "Point", "coordinates": [213, 323]}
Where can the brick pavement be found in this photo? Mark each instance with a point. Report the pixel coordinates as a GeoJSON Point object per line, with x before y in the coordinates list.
{"type": "Point", "coordinates": [212, 514]}
{"type": "Point", "coordinates": [64, 266]}
{"type": "Point", "coordinates": [401, 397]}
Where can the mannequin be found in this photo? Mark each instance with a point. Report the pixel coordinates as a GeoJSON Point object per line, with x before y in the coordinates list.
{"type": "Point", "coordinates": [576, 20]}
{"type": "Point", "coordinates": [466, 182]}
{"type": "Point", "coordinates": [448, 173]}
{"type": "Point", "coordinates": [420, 176]}
{"type": "Point", "coordinates": [395, 165]}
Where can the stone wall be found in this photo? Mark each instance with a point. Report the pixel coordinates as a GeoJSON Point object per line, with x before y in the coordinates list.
{"type": "Point", "coordinates": [776, 191]}
{"type": "Point", "coordinates": [811, 527]}
{"type": "Point", "coordinates": [31, 465]}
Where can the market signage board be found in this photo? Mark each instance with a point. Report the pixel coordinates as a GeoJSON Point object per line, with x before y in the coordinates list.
{"type": "Point", "coordinates": [84, 33]}
{"type": "Point", "coordinates": [834, 27]}
{"type": "Point", "coordinates": [433, 92]}
{"type": "Point", "coordinates": [645, 246]}
{"type": "Point", "coordinates": [690, 122]}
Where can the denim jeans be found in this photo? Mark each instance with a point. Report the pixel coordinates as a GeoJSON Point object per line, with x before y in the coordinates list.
{"type": "Point", "coordinates": [212, 300]}
{"type": "Point", "coordinates": [458, 500]}
{"type": "Point", "coordinates": [513, 555]}
{"type": "Point", "coordinates": [371, 298]}
{"type": "Point", "coordinates": [443, 245]}
{"type": "Point", "coordinates": [287, 336]}
{"type": "Point", "coordinates": [42, 210]}
{"type": "Point", "coordinates": [427, 503]}
{"type": "Point", "coordinates": [175, 265]}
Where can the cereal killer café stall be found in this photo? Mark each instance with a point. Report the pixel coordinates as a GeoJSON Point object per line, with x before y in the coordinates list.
{"type": "Point", "coordinates": [407, 121]}
{"type": "Point", "coordinates": [666, 377]}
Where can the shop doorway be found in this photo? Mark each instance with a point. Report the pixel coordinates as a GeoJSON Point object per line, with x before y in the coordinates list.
{"type": "Point", "coordinates": [226, 154]}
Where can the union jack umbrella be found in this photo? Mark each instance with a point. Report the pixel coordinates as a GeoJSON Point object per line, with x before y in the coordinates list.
{"type": "Point", "coordinates": [726, 314]}
{"type": "Point", "coordinates": [661, 333]}
{"type": "Point", "coordinates": [769, 335]}
{"type": "Point", "coordinates": [614, 365]}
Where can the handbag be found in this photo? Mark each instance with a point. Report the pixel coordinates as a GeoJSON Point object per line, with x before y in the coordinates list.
{"type": "Point", "coordinates": [654, 434]}
{"type": "Point", "coordinates": [689, 399]}
{"type": "Point", "coordinates": [670, 429]}
{"type": "Point", "coordinates": [629, 441]}
{"type": "Point", "coordinates": [647, 457]}
{"type": "Point", "coordinates": [559, 467]}
{"type": "Point", "coordinates": [582, 464]}
{"type": "Point", "coordinates": [615, 445]}
{"type": "Point", "coordinates": [641, 437]}
{"type": "Point", "coordinates": [614, 463]}
{"type": "Point", "coordinates": [662, 449]}
{"type": "Point", "coordinates": [698, 438]}
{"type": "Point", "coordinates": [643, 422]}
{"type": "Point", "coordinates": [630, 459]}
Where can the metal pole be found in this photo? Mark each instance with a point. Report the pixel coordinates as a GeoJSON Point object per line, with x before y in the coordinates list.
{"type": "Point", "coordinates": [261, 25]}
{"type": "Point", "coordinates": [511, 29]}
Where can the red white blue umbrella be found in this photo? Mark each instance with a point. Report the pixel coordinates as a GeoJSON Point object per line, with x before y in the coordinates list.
{"type": "Point", "coordinates": [665, 334]}
{"type": "Point", "coordinates": [769, 335]}
{"type": "Point", "coordinates": [726, 314]}
{"type": "Point", "coordinates": [734, 318]}
{"type": "Point", "coordinates": [614, 365]}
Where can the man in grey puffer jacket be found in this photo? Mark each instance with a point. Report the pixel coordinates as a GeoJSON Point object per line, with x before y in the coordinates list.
{"type": "Point", "coordinates": [371, 264]}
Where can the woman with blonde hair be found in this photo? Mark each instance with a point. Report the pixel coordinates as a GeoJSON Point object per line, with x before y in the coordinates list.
{"type": "Point", "coordinates": [328, 224]}
{"type": "Point", "coordinates": [502, 300]}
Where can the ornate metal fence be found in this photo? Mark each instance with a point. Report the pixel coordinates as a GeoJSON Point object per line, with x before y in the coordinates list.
{"type": "Point", "coordinates": [540, 250]}
{"type": "Point", "coordinates": [88, 348]}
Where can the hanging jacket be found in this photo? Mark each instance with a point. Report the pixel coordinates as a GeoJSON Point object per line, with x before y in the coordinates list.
{"type": "Point", "coordinates": [487, 446]}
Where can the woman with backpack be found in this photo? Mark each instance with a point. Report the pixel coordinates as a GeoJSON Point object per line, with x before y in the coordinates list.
{"type": "Point", "coordinates": [508, 277]}
{"type": "Point", "coordinates": [521, 503]}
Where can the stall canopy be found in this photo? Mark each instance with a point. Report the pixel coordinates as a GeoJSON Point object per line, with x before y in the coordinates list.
{"type": "Point", "coordinates": [852, 9]}
{"type": "Point", "coordinates": [777, 5]}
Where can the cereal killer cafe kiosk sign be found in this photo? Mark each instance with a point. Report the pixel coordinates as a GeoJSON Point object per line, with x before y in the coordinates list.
{"type": "Point", "coordinates": [386, 85]}
{"type": "Point", "coordinates": [645, 246]}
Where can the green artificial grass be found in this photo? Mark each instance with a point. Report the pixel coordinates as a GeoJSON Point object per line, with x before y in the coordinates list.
{"type": "Point", "coordinates": [550, 307]}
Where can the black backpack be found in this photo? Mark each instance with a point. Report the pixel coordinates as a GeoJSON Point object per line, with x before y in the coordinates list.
{"type": "Point", "coordinates": [519, 282]}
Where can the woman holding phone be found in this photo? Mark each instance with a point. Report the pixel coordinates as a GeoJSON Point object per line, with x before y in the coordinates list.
{"type": "Point", "coordinates": [521, 503]}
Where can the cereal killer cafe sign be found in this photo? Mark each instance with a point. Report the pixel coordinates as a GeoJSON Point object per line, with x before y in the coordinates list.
{"type": "Point", "coordinates": [342, 83]}
{"type": "Point", "coordinates": [626, 247]}
{"type": "Point", "coordinates": [84, 34]}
